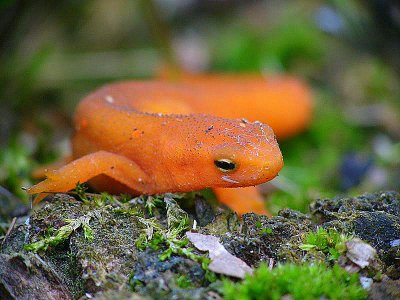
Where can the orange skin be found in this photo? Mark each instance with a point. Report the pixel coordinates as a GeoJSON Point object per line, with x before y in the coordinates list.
{"type": "Point", "coordinates": [283, 102]}
{"type": "Point", "coordinates": [155, 137]}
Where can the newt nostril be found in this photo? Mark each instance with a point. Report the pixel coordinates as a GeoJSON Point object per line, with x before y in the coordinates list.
{"type": "Point", "coordinates": [272, 167]}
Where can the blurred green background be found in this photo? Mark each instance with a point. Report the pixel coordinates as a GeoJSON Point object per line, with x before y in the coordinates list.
{"type": "Point", "coordinates": [52, 53]}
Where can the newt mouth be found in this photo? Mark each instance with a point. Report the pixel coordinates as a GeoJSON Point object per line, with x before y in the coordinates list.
{"type": "Point", "coordinates": [228, 179]}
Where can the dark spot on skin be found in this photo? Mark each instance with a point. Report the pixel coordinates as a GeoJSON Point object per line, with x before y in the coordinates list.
{"type": "Point", "coordinates": [209, 129]}
{"type": "Point", "coordinates": [112, 168]}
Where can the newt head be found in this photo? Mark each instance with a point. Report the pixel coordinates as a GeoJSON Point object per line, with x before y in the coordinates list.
{"type": "Point", "coordinates": [249, 155]}
{"type": "Point", "coordinates": [226, 153]}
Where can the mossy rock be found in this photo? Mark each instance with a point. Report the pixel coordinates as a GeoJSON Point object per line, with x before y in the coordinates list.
{"type": "Point", "coordinates": [374, 218]}
{"type": "Point", "coordinates": [110, 265]}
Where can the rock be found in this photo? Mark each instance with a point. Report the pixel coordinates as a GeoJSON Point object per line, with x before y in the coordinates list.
{"type": "Point", "coordinates": [374, 218]}
{"type": "Point", "coordinates": [385, 290]}
{"type": "Point", "coordinates": [27, 276]}
{"type": "Point", "coordinates": [111, 265]}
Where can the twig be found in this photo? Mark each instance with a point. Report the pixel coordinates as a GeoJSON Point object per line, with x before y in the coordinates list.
{"type": "Point", "coordinates": [9, 229]}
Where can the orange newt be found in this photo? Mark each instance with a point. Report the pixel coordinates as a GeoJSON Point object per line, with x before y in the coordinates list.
{"type": "Point", "coordinates": [282, 102]}
{"type": "Point", "coordinates": [153, 137]}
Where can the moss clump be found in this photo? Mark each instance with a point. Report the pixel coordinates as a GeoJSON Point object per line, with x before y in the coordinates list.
{"type": "Point", "coordinates": [328, 241]}
{"type": "Point", "coordinates": [62, 234]}
{"type": "Point", "coordinates": [183, 282]}
{"type": "Point", "coordinates": [297, 281]}
{"type": "Point", "coordinates": [151, 203]}
{"type": "Point", "coordinates": [154, 233]}
{"type": "Point", "coordinates": [170, 239]}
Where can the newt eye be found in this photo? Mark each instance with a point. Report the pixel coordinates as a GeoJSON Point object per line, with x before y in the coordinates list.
{"type": "Point", "coordinates": [225, 165]}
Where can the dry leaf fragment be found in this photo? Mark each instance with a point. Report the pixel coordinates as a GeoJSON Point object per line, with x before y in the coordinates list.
{"type": "Point", "coordinates": [360, 253]}
{"type": "Point", "coordinates": [222, 262]}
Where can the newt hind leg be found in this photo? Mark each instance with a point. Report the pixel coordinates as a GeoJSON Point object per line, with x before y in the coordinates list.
{"type": "Point", "coordinates": [117, 167]}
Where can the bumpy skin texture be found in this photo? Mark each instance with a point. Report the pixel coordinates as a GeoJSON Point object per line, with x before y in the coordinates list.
{"type": "Point", "coordinates": [155, 137]}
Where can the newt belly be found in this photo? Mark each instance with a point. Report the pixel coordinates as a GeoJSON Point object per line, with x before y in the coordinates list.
{"type": "Point", "coordinates": [154, 137]}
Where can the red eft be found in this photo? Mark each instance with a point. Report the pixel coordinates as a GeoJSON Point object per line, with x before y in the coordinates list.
{"type": "Point", "coordinates": [150, 137]}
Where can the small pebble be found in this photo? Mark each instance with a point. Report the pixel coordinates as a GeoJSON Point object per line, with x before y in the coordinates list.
{"type": "Point", "coordinates": [366, 282]}
{"type": "Point", "coordinates": [395, 243]}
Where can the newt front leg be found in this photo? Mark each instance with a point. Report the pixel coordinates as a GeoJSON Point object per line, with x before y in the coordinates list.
{"type": "Point", "coordinates": [89, 166]}
{"type": "Point", "coordinates": [242, 200]}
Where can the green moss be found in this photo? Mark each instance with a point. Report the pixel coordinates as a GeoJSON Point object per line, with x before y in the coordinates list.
{"type": "Point", "coordinates": [80, 190]}
{"type": "Point", "coordinates": [155, 235]}
{"type": "Point", "coordinates": [327, 241]}
{"type": "Point", "coordinates": [152, 203]}
{"type": "Point", "coordinates": [16, 167]}
{"type": "Point", "coordinates": [62, 234]}
{"type": "Point", "coordinates": [267, 230]}
{"type": "Point", "coordinates": [183, 282]}
{"type": "Point", "coordinates": [297, 281]}
{"type": "Point", "coordinates": [170, 239]}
